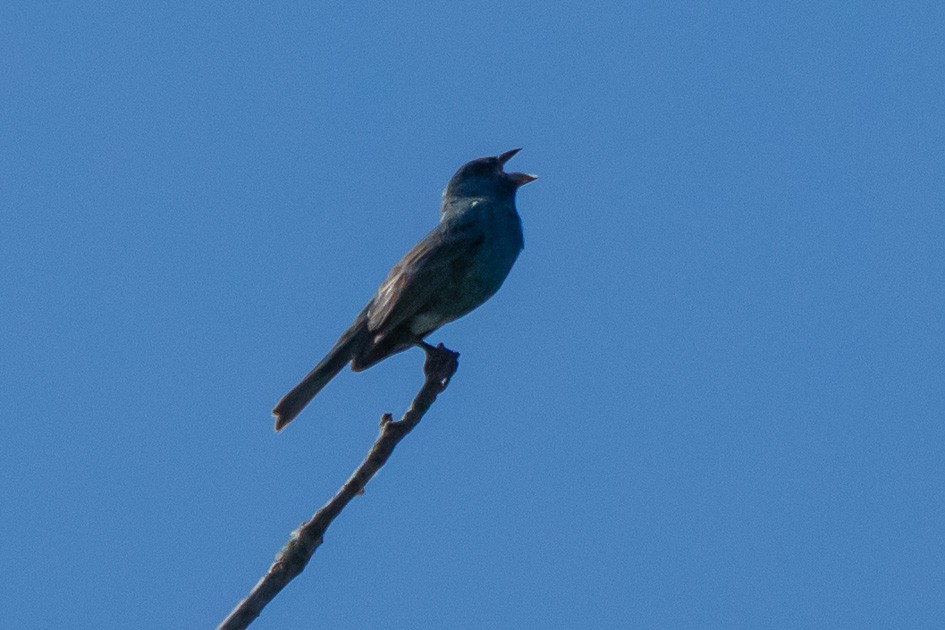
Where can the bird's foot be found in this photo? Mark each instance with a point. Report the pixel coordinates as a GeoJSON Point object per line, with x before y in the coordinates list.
{"type": "Point", "coordinates": [441, 362]}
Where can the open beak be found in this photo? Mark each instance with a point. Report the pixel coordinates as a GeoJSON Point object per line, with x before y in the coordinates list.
{"type": "Point", "coordinates": [520, 179]}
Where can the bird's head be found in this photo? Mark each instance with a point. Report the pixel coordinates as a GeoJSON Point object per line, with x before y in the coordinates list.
{"type": "Point", "coordinates": [485, 177]}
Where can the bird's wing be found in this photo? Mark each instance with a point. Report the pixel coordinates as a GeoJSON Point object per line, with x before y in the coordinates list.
{"type": "Point", "coordinates": [427, 268]}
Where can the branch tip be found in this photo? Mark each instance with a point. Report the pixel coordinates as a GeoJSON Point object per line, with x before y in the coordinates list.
{"type": "Point", "coordinates": [440, 366]}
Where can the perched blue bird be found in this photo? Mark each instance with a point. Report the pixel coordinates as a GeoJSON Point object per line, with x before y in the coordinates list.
{"type": "Point", "coordinates": [454, 269]}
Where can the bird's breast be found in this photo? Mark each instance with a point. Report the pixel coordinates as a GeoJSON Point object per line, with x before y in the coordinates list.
{"type": "Point", "coordinates": [476, 277]}
{"type": "Point", "coordinates": [501, 244]}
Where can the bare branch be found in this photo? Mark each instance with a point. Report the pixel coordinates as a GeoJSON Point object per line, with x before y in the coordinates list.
{"type": "Point", "coordinates": [440, 366]}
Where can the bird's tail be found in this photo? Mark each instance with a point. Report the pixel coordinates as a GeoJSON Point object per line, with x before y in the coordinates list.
{"type": "Point", "coordinates": [292, 403]}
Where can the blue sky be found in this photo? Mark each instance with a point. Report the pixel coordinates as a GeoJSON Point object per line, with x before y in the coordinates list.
{"type": "Point", "coordinates": [710, 394]}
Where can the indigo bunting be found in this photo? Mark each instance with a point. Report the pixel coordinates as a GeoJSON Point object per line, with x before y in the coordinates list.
{"type": "Point", "coordinates": [455, 268]}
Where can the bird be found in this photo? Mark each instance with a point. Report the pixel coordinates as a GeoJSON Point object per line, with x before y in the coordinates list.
{"type": "Point", "coordinates": [454, 269]}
